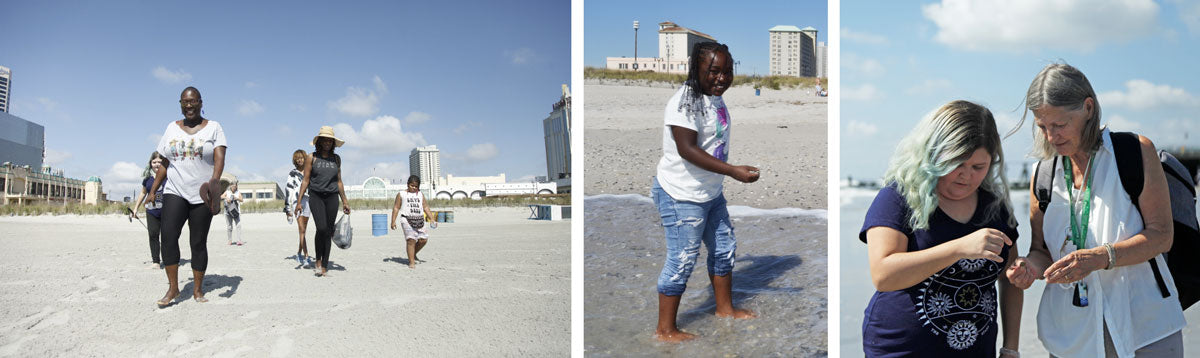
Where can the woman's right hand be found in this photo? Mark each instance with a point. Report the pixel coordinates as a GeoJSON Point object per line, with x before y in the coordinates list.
{"type": "Point", "coordinates": [984, 243]}
{"type": "Point", "coordinates": [393, 225]}
{"type": "Point", "coordinates": [296, 212]}
{"type": "Point", "coordinates": [150, 197]}
{"type": "Point", "coordinates": [745, 173]}
{"type": "Point", "coordinates": [1021, 273]}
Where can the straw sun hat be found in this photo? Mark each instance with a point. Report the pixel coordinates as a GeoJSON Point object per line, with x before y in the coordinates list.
{"type": "Point", "coordinates": [327, 132]}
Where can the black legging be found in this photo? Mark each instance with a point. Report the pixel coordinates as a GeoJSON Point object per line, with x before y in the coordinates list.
{"type": "Point", "coordinates": [324, 207]}
{"type": "Point", "coordinates": [152, 225]}
{"type": "Point", "coordinates": [175, 212]}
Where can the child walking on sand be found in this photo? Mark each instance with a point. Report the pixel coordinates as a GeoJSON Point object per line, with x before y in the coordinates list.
{"type": "Point", "coordinates": [688, 185]}
{"type": "Point", "coordinates": [412, 206]}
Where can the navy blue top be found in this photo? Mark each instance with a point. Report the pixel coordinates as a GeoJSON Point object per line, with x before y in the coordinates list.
{"type": "Point", "coordinates": [952, 313]}
{"type": "Point", "coordinates": [158, 196]}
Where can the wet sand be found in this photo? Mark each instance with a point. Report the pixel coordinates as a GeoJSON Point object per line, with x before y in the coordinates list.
{"type": "Point", "coordinates": [783, 133]}
{"type": "Point", "coordinates": [780, 273]}
{"type": "Point", "coordinates": [494, 284]}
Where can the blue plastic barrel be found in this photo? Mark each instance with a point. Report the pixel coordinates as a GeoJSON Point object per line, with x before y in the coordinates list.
{"type": "Point", "coordinates": [379, 224]}
{"type": "Point", "coordinates": [757, 91]}
{"type": "Point", "coordinates": [449, 216]}
{"type": "Point", "coordinates": [441, 216]}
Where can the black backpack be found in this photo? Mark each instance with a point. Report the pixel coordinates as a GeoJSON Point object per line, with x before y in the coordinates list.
{"type": "Point", "coordinates": [1186, 242]}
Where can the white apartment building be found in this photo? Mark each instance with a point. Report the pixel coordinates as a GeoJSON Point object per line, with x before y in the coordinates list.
{"type": "Point", "coordinates": [674, 46]}
{"type": "Point", "coordinates": [5, 88]}
{"type": "Point", "coordinates": [822, 60]}
{"type": "Point", "coordinates": [793, 51]}
{"type": "Point", "coordinates": [426, 163]}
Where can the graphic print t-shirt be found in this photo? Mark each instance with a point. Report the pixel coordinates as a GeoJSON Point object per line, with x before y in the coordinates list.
{"type": "Point", "coordinates": [412, 206]}
{"type": "Point", "coordinates": [191, 158]}
{"type": "Point", "coordinates": [154, 208]}
{"type": "Point", "coordinates": [678, 177]}
{"type": "Point", "coordinates": [952, 313]}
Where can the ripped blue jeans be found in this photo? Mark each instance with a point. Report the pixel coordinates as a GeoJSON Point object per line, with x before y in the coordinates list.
{"type": "Point", "coordinates": [687, 224]}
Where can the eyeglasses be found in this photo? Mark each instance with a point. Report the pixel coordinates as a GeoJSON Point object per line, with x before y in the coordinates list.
{"type": "Point", "coordinates": [184, 102]}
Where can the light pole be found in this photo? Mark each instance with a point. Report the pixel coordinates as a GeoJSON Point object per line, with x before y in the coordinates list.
{"type": "Point", "coordinates": [635, 28]}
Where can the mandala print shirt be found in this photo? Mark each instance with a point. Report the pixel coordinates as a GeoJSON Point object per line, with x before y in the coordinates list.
{"type": "Point", "coordinates": [191, 158]}
{"type": "Point", "coordinates": [681, 179]}
{"type": "Point", "coordinates": [953, 312]}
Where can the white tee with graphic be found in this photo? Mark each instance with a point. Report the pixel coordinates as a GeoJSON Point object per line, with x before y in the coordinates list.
{"type": "Point", "coordinates": [191, 158]}
{"type": "Point", "coordinates": [678, 177]}
{"type": "Point", "coordinates": [413, 205]}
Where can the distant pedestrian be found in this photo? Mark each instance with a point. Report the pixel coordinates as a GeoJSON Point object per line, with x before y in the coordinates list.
{"type": "Point", "coordinates": [411, 205]}
{"type": "Point", "coordinates": [153, 208]}
{"type": "Point", "coordinates": [292, 196]}
{"type": "Point", "coordinates": [233, 213]}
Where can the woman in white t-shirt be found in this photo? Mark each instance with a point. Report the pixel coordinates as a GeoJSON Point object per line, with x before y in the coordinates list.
{"type": "Point", "coordinates": [233, 213]}
{"type": "Point", "coordinates": [195, 150]}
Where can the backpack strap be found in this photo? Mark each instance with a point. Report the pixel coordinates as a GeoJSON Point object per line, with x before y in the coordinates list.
{"type": "Point", "coordinates": [1043, 179]}
{"type": "Point", "coordinates": [1128, 151]}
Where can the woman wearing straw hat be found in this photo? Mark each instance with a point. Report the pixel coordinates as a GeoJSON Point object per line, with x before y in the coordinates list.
{"type": "Point", "coordinates": [194, 147]}
{"type": "Point", "coordinates": [323, 182]}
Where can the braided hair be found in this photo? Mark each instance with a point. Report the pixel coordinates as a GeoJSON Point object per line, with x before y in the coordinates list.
{"type": "Point", "coordinates": [693, 96]}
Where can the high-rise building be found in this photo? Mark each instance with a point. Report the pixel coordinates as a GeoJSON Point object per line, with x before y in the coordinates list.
{"type": "Point", "coordinates": [557, 129]}
{"type": "Point", "coordinates": [793, 51]}
{"type": "Point", "coordinates": [5, 88]}
{"type": "Point", "coordinates": [822, 60]}
{"type": "Point", "coordinates": [21, 142]}
{"type": "Point", "coordinates": [425, 162]}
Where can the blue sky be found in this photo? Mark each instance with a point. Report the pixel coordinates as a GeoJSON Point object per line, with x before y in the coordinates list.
{"type": "Point", "coordinates": [900, 60]}
{"type": "Point", "coordinates": [608, 26]}
{"type": "Point", "coordinates": [475, 79]}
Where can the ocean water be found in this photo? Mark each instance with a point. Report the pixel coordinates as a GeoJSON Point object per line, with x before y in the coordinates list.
{"type": "Point", "coordinates": [780, 274]}
{"type": "Point", "coordinates": [856, 287]}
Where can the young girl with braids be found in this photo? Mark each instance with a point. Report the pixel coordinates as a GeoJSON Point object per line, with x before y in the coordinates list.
{"type": "Point", "coordinates": [688, 185]}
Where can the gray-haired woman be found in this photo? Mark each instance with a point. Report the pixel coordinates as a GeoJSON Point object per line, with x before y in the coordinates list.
{"type": "Point", "coordinates": [1092, 244]}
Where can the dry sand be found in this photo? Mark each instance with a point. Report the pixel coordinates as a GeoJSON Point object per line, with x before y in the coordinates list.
{"type": "Point", "coordinates": [494, 284]}
{"type": "Point", "coordinates": [783, 133]}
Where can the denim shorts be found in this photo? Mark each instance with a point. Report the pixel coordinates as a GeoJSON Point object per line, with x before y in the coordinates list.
{"type": "Point", "coordinates": [687, 224]}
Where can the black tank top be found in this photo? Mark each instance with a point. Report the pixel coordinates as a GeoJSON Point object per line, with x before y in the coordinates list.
{"type": "Point", "coordinates": [324, 175]}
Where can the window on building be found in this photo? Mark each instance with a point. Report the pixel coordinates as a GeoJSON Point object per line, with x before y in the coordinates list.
{"type": "Point", "coordinates": [247, 195]}
{"type": "Point", "coordinates": [264, 195]}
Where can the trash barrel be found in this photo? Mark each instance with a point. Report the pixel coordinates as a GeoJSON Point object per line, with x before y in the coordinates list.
{"type": "Point", "coordinates": [379, 224]}
{"type": "Point", "coordinates": [449, 216]}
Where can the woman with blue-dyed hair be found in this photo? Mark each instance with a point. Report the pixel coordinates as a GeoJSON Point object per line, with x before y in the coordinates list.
{"type": "Point", "coordinates": [939, 236]}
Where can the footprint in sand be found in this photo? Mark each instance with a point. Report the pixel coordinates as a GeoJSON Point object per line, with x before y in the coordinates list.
{"type": "Point", "coordinates": [251, 315]}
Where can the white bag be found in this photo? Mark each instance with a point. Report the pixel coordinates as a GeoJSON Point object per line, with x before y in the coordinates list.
{"type": "Point", "coordinates": [342, 233]}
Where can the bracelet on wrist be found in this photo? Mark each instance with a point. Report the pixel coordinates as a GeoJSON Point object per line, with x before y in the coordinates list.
{"type": "Point", "coordinates": [1012, 352]}
{"type": "Point", "coordinates": [1112, 256]}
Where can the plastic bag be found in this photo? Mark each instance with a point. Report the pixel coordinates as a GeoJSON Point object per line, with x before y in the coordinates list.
{"type": "Point", "coordinates": [342, 233]}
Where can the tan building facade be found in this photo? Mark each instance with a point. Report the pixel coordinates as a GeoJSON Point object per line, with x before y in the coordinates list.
{"type": "Point", "coordinates": [23, 185]}
{"type": "Point", "coordinates": [674, 46]}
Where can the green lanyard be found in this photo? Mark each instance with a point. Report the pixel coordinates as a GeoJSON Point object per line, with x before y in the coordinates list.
{"type": "Point", "coordinates": [1079, 227]}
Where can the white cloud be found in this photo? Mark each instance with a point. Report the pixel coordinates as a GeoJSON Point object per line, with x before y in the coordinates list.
{"type": "Point", "coordinates": [154, 138]}
{"type": "Point", "coordinates": [251, 84]}
{"type": "Point", "coordinates": [857, 128]}
{"type": "Point", "coordinates": [483, 151]}
{"type": "Point", "coordinates": [1189, 13]}
{"type": "Point", "coordinates": [866, 92]}
{"type": "Point", "coordinates": [861, 65]}
{"type": "Point", "coordinates": [48, 105]}
{"type": "Point", "coordinates": [1118, 123]}
{"type": "Point", "coordinates": [388, 170]}
{"type": "Point", "coordinates": [171, 77]}
{"type": "Point", "coordinates": [380, 136]}
{"type": "Point", "coordinates": [928, 86]}
{"type": "Point", "coordinates": [863, 37]}
{"type": "Point", "coordinates": [462, 128]}
{"type": "Point", "coordinates": [249, 108]}
{"type": "Point", "coordinates": [284, 130]}
{"type": "Point", "coordinates": [54, 157]}
{"type": "Point", "coordinates": [520, 56]}
{"type": "Point", "coordinates": [1142, 94]}
{"type": "Point", "coordinates": [1025, 25]}
{"type": "Point", "coordinates": [379, 85]}
{"type": "Point", "coordinates": [417, 117]}
{"type": "Point", "coordinates": [123, 178]}
{"type": "Point", "coordinates": [244, 176]}
{"type": "Point", "coordinates": [358, 102]}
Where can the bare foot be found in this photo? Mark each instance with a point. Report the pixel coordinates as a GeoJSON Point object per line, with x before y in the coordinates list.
{"type": "Point", "coordinates": [674, 336]}
{"type": "Point", "coordinates": [198, 297]}
{"type": "Point", "coordinates": [168, 298]}
{"type": "Point", "coordinates": [412, 264]}
{"type": "Point", "coordinates": [738, 313]}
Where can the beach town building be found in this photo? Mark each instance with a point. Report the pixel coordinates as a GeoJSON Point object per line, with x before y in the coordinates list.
{"type": "Point", "coordinates": [260, 191]}
{"type": "Point", "coordinates": [377, 188]}
{"type": "Point", "coordinates": [5, 87]}
{"type": "Point", "coordinates": [24, 185]}
{"type": "Point", "coordinates": [674, 46]}
{"type": "Point", "coordinates": [21, 142]}
{"type": "Point", "coordinates": [449, 187]}
{"type": "Point", "coordinates": [426, 163]}
{"type": "Point", "coordinates": [557, 130]}
{"type": "Point", "coordinates": [793, 51]}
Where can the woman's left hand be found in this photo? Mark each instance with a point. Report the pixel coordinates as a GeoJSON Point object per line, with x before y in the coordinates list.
{"type": "Point", "coordinates": [1076, 265]}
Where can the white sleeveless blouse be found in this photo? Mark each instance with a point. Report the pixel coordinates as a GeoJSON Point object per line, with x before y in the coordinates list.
{"type": "Point", "coordinates": [1127, 298]}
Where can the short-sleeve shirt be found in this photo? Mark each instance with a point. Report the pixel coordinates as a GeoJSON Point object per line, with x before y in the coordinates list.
{"type": "Point", "coordinates": [154, 208]}
{"type": "Point", "coordinates": [952, 313]}
{"type": "Point", "coordinates": [231, 203]}
{"type": "Point", "coordinates": [681, 179]}
{"type": "Point", "coordinates": [191, 158]}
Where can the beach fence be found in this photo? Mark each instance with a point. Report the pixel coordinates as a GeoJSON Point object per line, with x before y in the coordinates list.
{"type": "Point", "coordinates": [549, 212]}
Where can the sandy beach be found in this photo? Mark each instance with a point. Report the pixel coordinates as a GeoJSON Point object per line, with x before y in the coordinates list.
{"type": "Point", "coordinates": [494, 284]}
{"type": "Point", "coordinates": [783, 133]}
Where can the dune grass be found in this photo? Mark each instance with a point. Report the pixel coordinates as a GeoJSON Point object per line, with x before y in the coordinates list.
{"type": "Point", "coordinates": [770, 82]}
